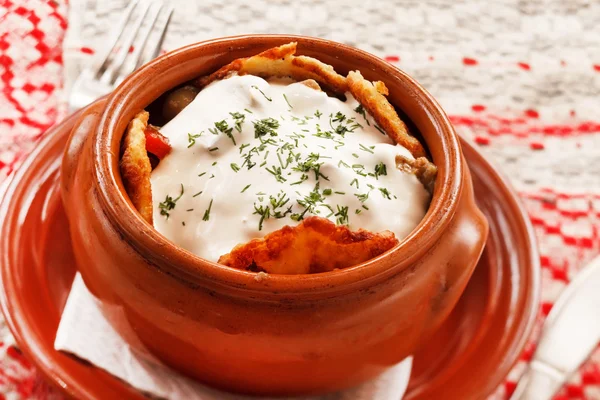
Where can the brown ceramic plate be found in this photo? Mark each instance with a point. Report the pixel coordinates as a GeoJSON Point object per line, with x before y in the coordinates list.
{"type": "Point", "coordinates": [467, 359]}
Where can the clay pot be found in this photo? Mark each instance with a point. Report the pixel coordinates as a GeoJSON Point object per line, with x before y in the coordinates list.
{"type": "Point", "coordinates": [284, 334]}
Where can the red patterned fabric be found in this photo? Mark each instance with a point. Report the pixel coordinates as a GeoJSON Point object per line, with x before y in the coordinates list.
{"type": "Point", "coordinates": [566, 217]}
{"type": "Point", "coordinates": [31, 36]}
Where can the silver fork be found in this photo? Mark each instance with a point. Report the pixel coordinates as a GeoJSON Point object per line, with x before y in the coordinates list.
{"type": "Point", "coordinates": [109, 70]}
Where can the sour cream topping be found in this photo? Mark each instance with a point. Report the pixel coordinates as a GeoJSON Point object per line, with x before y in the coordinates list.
{"type": "Point", "coordinates": [250, 156]}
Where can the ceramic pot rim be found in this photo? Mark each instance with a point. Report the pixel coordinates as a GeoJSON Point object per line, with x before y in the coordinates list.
{"type": "Point", "coordinates": [195, 271]}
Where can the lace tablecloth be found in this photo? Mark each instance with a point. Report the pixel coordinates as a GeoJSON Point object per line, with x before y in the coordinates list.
{"type": "Point", "coordinates": [519, 78]}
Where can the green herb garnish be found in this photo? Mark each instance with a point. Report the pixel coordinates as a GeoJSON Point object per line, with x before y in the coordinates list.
{"type": "Point", "coordinates": [364, 148]}
{"type": "Point", "coordinates": [287, 101]}
{"type": "Point", "coordinates": [302, 179]}
{"type": "Point", "coordinates": [223, 127]}
{"type": "Point", "coordinates": [380, 169]}
{"type": "Point", "coordinates": [278, 202]}
{"type": "Point", "coordinates": [206, 216]}
{"type": "Point", "coordinates": [265, 126]}
{"type": "Point", "coordinates": [192, 138]}
{"type": "Point", "coordinates": [276, 172]}
{"type": "Point", "coordinates": [361, 111]}
{"type": "Point", "coordinates": [169, 204]}
{"type": "Point", "coordinates": [311, 164]}
{"type": "Point", "coordinates": [264, 212]}
{"type": "Point", "coordinates": [359, 169]}
{"type": "Point", "coordinates": [380, 130]}
{"type": "Point", "coordinates": [342, 215]}
{"type": "Point", "coordinates": [385, 193]}
{"type": "Point", "coordinates": [362, 197]}
{"type": "Point", "coordinates": [309, 202]}
{"type": "Point", "coordinates": [243, 146]}
{"type": "Point", "coordinates": [261, 92]}
{"type": "Point", "coordinates": [239, 119]}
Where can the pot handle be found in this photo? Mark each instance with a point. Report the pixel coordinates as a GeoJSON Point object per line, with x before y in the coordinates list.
{"type": "Point", "coordinates": [82, 130]}
{"type": "Point", "coordinates": [471, 230]}
{"type": "Point", "coordinates": [465, 240]}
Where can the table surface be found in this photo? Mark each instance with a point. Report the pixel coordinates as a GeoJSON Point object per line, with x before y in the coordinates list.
{"type": "Point", "coordinates": [521, 79]}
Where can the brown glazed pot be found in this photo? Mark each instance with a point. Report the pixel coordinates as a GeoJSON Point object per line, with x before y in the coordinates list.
{"type": "Point", "coordinates": [285, 334]}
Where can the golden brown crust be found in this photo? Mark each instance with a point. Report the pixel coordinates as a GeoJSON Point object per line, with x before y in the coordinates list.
{"type": "Point", "coordinates": [135, 166]}
{"type": "Point", "coordinates": [285, 250]}
{"type": "Point", "coordinates": [381, 88]}
{"type": "Point", "coordinates": [383, 112]}
{"type": "Point", "coordinates": [311, 83]}
{"type": "Point", "coordinates": [322, 73]}
{"type": "Point", "coordinates": [280, 62]}
{"type": "Point", "coordinates": [421, 167]}
{"type": "Point", "coordinates": [221, 73]}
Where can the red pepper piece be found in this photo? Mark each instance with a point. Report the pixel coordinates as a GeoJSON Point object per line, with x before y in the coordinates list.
{"type": "Point", "coordinates": [156, 143]}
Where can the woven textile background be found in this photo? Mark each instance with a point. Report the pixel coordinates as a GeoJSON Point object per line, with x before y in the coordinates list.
{"type": "Point", "coordinates": [519, 78]}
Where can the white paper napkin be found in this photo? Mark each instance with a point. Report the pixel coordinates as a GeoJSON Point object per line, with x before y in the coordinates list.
{"type": "Point", "coordinates": [85, 333]}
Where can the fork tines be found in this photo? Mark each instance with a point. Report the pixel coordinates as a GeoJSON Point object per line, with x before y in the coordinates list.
{"type": "Point", "coordinates": [137, 40]}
